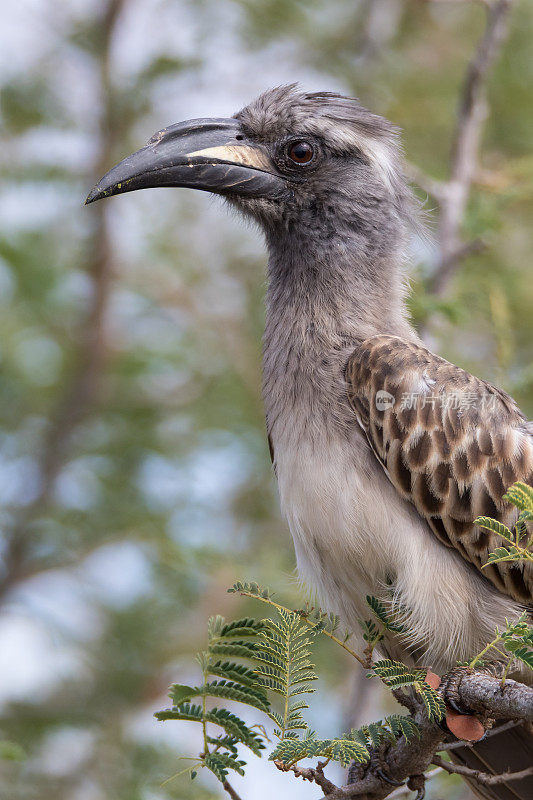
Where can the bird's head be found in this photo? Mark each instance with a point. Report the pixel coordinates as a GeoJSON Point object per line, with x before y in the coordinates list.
{"type": "Point", "coordinates": [284, 159]}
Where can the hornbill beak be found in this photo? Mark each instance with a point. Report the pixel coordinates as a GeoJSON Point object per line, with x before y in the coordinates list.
{"type": "Point", "coordinates": [208, 154]}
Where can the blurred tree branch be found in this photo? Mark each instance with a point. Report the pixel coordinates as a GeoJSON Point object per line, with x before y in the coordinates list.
{"type": "Point", "coordinates": [82, 392]}
{"type": "Point", "coordinates": [453, 194]}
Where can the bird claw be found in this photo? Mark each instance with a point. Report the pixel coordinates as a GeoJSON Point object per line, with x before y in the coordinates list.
{"type": "Point", "coordinates": [379, 772]}
{"type": "Point", "coordinates": [379, 769]}
{"type": "Point", "coordinates": [457, 707]}
{"type": "Point", "coordinates": [417, 783]}
{"type": "Point", "coordinates": [450, 694]}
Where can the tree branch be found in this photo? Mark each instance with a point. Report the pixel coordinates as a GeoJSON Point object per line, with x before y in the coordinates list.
{"type": "Point", "coordinates": [484, 693]}
{"type": "Point", "coordinates": [312, 774]}
{"type": "Point", "coordinates": [231, 791]}
{"type": "Point", "coordinates": [453, 194]}
{"type": "Point", "coordinates": [484, 778]}
{"type": "Point", "coordinates": [81, 392]}
{"type": "Point", "coordinates": [471, 118]}
{"type": "Point", "coordinates": [400, 761]}
{"type": "Point", "coordinates": [500, 729]}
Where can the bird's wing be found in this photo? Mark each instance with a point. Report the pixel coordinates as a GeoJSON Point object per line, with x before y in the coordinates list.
{"type": "Point", "coordinates": [450, 443]}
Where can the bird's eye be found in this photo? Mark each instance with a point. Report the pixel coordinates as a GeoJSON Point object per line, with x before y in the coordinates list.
{"type": "Point", "coordinates": [301, 152]}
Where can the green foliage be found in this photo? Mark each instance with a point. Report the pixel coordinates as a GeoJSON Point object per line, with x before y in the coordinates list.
{"type": "Point", "coordinates": [374, 632]}
{"type": "Point", "coordinates": [521, 496]}
{"type": "Point", "coordinates": [518, 547]}
{"type": "Point", "coordinates": [252, 589]}
{"type": "Point", "coordinates": [396, 675]}
{"type": "Point", "coordinates": [383, 615]}
{"type": "Point", "coordinates": [353, 746]}
{"type": "Point", "coordinates": [235, 681]}
{"type": "Point", "coordinates": [517, 639]}
{"type": "Point", "coordinates": [11, 751]}
{"type": "Point", "coordinates": [278, 662]}
{"type": "Point", "coordinates": [285, 668]}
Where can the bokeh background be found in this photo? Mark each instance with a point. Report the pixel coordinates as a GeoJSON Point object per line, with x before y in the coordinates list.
{"type": "Point", "coordinates": [135, 482]}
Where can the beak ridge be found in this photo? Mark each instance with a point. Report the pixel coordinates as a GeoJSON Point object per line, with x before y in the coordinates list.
{"type": "Point", "coordinates": [201, 154]}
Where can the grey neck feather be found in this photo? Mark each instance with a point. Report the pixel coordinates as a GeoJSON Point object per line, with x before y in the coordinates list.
{"type": "Point", "coordinates": [329, 289]}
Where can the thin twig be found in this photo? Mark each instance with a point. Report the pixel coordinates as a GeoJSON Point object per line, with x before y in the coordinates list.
{"type": "Point", "coordinates": [487, 3]}
{"type": "Point", "coordinates": [471, 118]}
{"type": "Point", "coordinates": [500, 729]}
{"type": "Point", "coordinates": [483, 778]}
{"type": "Point", "coordinates": [308, 622]}
{"type": "Point", "coordinates": [432, 186]}
{"type": "Point", "coordinates": [311, 774]}
{"type": "Point", "coordinates": [231, 791]}
{"type": "Point", "coordinates": [402, 791]}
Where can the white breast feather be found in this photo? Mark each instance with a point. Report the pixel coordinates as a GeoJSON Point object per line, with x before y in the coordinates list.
{"type": "Point", "coordinates": [352, 533]}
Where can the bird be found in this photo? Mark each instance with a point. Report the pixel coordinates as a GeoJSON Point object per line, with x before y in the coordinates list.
{"type": "Point", "coordinates": [384, 452]}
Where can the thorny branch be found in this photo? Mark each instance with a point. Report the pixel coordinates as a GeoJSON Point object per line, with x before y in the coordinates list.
{"type": "Point", "coordinates": [452, 195]}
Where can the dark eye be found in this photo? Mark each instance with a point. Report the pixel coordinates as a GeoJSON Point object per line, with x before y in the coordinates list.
{"type": "Point", "coordinates": [301, 152]}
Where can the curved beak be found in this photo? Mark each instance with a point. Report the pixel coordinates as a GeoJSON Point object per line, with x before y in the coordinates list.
{"type": "Point", "coordinates": [202, 154]}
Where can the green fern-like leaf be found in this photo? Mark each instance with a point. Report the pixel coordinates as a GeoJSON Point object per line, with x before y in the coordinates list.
{"type": "Point", "coordinates": [214, 762]}
{"type": "Point", "coordinates": [289, 751]}
{"type": "Point", "coordinates": [396, 675]}
{"type": "Point", "coordinates": [496, 527]}
{"type": "Point", "coordinates": [374, 733]}
{"type": "Point", "coordinates": [433, 702]}
{"type": "Point", "coordinates": [503, 554]}
{"type": "Point", "coordinates": [220, 763]}
{"type": "Point", "coordinates": [238, 648]}
{"type": "Point", "coordinates": [345, 751]}
{"type": "Point", "coordinates": [392, 672]}
{"type": "Point", "coordinates": [520, 495]}
{"type": "Point", "coordinates": [251, 588]}
{"type": "Point", "coordinates": [402, 726]}
{"type": "Point", "coordinates": [186, 711]}
{"type": "Point", "coordinates": [241, 627]}
{"type": "Point", "coordinates": [284, 666]}
{"type": "Point", "coordinates": [371, 633]}
{"type": "Point", "coordinates": [234, 726]}
{"type": "Point", "coordinates": [383, 615]}
{"type": "Point", "coordinates": [232, 671]}
{"type": "Point", "coordinates": [354, 746]}
{"type": "Point", "coordinates": [231, 723]}
{"type": "Point", "coordinates": [518, 639]}
{"type": "Point", "coordinates": [229, 690]}
{"type": "Point", "coordinates": [227, 742]}
{"type": "Point", "coordinates": [525, 654]}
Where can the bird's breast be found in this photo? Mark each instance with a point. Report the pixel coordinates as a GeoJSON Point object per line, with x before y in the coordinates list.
{"type": "Point", "coordinates": [354, 536]}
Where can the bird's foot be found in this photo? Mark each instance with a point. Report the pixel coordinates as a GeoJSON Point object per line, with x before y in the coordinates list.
{"type": "Point", "coordinates": [379, 769]}
{"type": "Point", "coordinates": [417, 783]}
{"type": "Point", "coordinates": [450, 693]}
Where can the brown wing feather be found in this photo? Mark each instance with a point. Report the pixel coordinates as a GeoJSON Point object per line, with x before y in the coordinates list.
{"type": "Point", "coordinates": [451, 444]}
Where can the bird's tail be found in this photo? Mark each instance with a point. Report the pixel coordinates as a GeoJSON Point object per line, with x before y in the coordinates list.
{"type": "Point", "coordinates": [510, 750]}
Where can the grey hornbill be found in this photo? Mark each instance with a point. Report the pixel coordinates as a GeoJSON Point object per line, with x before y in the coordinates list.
{"type": "Point", "coordinates": [384, 452]}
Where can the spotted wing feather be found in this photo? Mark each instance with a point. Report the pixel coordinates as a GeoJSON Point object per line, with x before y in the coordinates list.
{"type": "Point", "coordinates": [451, 444]}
